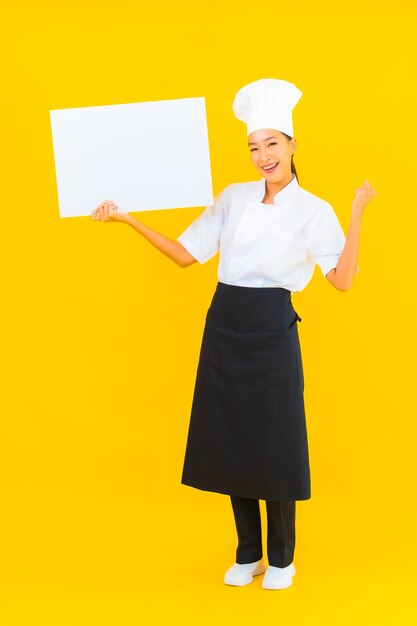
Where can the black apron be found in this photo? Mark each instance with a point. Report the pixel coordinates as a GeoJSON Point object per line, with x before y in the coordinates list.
{"type": "Point", "coordinates": [247, 434]}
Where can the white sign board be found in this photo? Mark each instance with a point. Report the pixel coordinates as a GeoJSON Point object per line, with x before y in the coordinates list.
{"type": "Point", "coordinates": [144, 156]}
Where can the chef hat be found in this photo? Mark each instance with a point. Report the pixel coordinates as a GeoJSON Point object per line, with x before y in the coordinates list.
{"type": "Point", "coordinates": [267, 103]}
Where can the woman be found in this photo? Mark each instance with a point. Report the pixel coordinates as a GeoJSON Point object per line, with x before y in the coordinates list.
{"type": "Point", "coordinates": [247, 435]}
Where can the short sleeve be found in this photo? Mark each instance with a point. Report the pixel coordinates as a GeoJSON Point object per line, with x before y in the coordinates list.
{"type": "Point", "coordinates": [326, 239]}
{"type": "Point", "coordinates": [202, 237]}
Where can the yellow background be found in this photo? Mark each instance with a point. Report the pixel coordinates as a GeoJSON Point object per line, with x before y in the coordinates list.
{"type": "Point", "coordinates": [101, 332]}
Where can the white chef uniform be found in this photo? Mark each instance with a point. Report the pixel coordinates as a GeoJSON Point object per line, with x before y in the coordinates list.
{"type": "Point", "coordinates": [266, 245]}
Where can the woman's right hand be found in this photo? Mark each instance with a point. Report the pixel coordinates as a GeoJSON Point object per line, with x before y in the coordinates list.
{"type": "Point", "coordinates": [107, 212]}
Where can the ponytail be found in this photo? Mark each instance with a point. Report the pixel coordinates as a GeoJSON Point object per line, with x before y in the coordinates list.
{"type": "Point", "coordinates": [293, 170]}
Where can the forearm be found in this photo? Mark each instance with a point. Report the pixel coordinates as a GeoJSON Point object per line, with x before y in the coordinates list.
{"type": "Point", "coordinates": [347, 266]}
{"type": "Point", "coordinates": [170, 247]}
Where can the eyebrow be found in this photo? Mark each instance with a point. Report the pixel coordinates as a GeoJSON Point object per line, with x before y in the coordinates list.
{"type": "Point", "coordinates": [266, 139]}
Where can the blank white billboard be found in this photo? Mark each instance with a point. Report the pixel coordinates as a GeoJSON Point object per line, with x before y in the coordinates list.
{"type": "Point", "coordinates": [145, 156]}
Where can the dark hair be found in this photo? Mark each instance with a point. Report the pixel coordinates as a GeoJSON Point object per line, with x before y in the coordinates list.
{"type": "Point", "coordinates": [293, 170]}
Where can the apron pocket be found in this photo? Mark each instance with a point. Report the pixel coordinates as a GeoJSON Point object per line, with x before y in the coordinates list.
{"type": "Point", "coordinates": [277, 360]}
{"type": "Point", "coordinates": [210, 360]}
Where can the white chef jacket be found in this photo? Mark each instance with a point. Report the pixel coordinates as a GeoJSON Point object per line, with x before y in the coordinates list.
{"type": "Point", "coordinates": [266, 245]}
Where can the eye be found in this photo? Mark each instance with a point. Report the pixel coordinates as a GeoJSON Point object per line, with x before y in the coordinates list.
{"type": "Point", "coordinates": [271, 143]}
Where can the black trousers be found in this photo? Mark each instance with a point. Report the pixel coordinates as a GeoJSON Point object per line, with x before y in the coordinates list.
{"type": "Point", "coordinates": [281, 530]}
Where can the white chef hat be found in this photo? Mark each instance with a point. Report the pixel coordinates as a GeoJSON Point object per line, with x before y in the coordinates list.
{"type": "Point", "coordinates": [267, 103]}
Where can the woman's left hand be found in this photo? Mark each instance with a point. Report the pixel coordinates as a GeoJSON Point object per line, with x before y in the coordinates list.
{"type": "Point", "coordinates": [364, 194]}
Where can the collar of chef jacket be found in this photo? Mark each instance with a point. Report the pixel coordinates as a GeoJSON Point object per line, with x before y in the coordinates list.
{"type": "Point", "coordinates": [286, 193]}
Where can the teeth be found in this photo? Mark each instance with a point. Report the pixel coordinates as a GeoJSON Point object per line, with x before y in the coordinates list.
{"type": "Point", "coordinates": [270, 168]}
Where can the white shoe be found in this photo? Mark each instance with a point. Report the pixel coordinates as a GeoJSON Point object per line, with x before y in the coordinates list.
{"type": "Point", "coordinates": [278, 577]}
{"type": "Point", "coordinates": [242, 573]}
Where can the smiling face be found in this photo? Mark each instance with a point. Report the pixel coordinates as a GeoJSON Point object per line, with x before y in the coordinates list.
{"type": "Point", "coordinates": [269, 147]}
